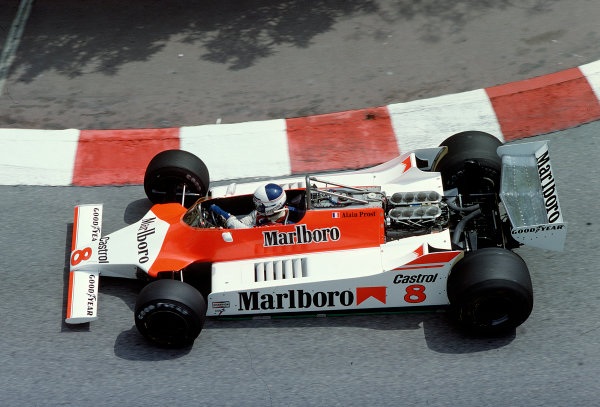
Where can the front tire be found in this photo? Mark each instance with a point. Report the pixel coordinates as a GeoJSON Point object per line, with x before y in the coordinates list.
{"type": "Point", "coordinates": [169, 171]}
{"type": "Point", "coordinates": [471, 163]}
{"type": "Point", "coordinates": [170, 313]}
{"type": "Point", "coordinates": [490, 291]}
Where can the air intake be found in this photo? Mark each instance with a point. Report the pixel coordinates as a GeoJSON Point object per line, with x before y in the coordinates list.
{"type": "Point", "coordinates": [280, 269]}
{"type": "Point", "coordinates": [415, 213]}
{"type": "Point", "coordinates": [410, 198]}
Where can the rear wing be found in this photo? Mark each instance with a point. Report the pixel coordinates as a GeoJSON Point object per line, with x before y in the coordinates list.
{"type": "Point", "coordinates": [82, 303]}
{"type": "Point", "coordinates": [528, 192]}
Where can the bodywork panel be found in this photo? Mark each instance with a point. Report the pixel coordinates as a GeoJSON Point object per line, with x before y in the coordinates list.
{"type": "Point", "coordinates": [333, 258]}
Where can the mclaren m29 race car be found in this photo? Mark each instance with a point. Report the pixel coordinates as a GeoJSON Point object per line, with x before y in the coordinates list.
{"type": "Point", "coordinates": [432, 227]}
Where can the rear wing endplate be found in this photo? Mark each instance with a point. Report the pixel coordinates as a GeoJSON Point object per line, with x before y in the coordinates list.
{"type": "Point", "coordinates": [82, 303]}
{"type": "Point", "coordinates": [528, 192]}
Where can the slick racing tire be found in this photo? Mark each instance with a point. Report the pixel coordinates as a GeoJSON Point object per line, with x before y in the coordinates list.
{"type": "Point", "coordinates": [169, 171]}
{"type": "Point", "coordinates": [471, 163]}
{"type": "Point", "coordinates": [490, 291]}
{"type": "Point", "coordinates": [170, 313]}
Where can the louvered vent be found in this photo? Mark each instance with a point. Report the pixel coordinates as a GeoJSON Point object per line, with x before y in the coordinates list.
{"type": "Point", "coordinates": [280, 269]}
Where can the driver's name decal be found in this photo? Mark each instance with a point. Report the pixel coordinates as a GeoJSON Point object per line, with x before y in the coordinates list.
{"type": "Point", "coordinates": [300, 235]}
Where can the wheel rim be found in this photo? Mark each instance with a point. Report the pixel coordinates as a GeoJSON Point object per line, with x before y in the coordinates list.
{"type": "Point", "coordinates": [171, 188]}
{"type": "Point", "coordinates": [492, 311]}
{"type": "Point", "coordinates": [167, 327]}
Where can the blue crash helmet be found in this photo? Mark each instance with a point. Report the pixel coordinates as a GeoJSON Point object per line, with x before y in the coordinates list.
{"type": "Point", "coordinates": [268, 199]}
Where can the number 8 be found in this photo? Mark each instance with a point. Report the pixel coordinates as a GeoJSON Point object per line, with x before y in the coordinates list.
{"type": "Point", "coordinates": [413, 291]}
{"type": "Point", "coordinates": [81, 255]}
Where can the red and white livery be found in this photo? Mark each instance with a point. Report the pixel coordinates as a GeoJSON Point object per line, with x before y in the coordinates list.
{"type": "Point", "coordinates": [433, 227]}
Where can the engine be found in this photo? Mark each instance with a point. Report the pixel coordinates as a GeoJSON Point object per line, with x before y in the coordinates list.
{"type": "Point", "coordinates": [413, 213]}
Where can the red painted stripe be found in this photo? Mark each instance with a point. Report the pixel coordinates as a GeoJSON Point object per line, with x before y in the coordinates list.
{"type": "Point", "coordinates": [107, 157]}
{"type": "Point", "coordinates": [70, 296]}
{"type": "Point", "coordinates": [436, 257]}
{"type": "Point", "coordinates": [75, 223]}
{"type": "Point", "coordinates": [419, 267]}
{"type": "Point", "coordinates": [544, 104]}
{"type": "Point", "coordinates": [353, 139]}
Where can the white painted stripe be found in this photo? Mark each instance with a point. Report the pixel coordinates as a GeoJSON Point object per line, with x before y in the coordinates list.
{"type": "Point", "coordinates": [249, 149]}
{"type": "Point", "coordinates": [12, 40]}
{"type": "Point", "coordinates": [592, 73]}
{"type": "Point", "coordinates": [37, 157]}
{"type": "Point", "coordinates": [426, 123]}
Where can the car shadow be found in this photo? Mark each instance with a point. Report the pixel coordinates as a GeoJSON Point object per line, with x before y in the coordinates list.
{"type": "Point", "coordinates": [130, 345]}
{"type": "Point", "coordinates": [136, 210]}
{"type": "Point", "coordinates": [440, 334]}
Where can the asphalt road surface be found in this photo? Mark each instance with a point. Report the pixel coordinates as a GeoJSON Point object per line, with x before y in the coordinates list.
{"type": "Point", "coordinates": [115, 64]}
{"type": "Point", "coordinates": [378, 360]}
{"type": "Point", "coordinates": [155, 63]}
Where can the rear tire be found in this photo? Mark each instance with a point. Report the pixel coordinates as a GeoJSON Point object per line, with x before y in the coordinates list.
{"type": "Point", "coordinates": [169, 171]}
{"type": "Point", "coordinates": [490, 291]}
{"type": "Point", "coordinates": [170, 313]}
{"type": "Point", "coordinates": [471, 163]}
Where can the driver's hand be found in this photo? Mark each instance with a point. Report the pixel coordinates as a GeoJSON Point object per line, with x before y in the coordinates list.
{"type": "Point", "coordinates": [220, 212]}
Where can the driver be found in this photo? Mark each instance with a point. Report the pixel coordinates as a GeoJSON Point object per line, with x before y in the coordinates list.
{"type": "Point", "coordinates": [269, 202]}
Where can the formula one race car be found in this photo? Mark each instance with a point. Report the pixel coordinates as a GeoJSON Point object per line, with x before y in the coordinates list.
{"type": "Point", "coordinates": [433, 227]}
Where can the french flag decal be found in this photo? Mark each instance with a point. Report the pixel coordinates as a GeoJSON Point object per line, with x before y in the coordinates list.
{"type": "Point", "coordinates": [335, 215]}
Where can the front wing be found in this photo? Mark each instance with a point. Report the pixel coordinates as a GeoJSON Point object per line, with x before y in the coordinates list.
{"type": "Point", "coordinates": [82, 301]}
